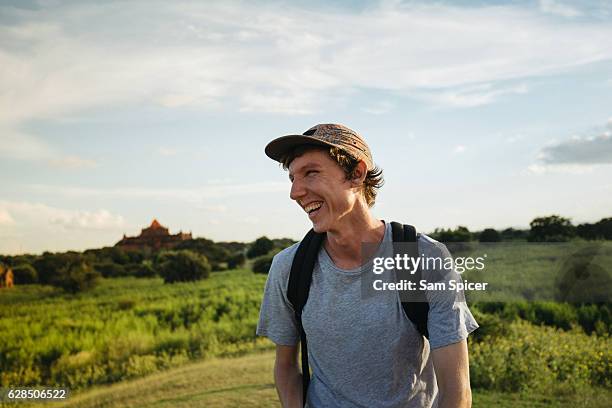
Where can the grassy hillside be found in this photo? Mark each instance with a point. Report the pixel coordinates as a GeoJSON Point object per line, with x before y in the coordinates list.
{"type": "Point", "coordinates": [247, 382]}
{"type": "Point", "coordinates": [124, 328]}
{"type": "Point", "coordinates": [130, 328]}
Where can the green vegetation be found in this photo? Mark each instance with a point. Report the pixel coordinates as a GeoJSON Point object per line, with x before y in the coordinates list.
{"type": "Point", "coordinates": [553, 228]}
{"type": "Point", "coordinates": [76, 277]}
{"type": "Point", "coordinates": [261, 246]}
{"type": "Point", "coordinates": [262, 264]}
{"type": "Point", "coordinates": [182, 266]}
{"type": "Point", "coordinates": [247, 382]}
{"type": "Point", "coordinates": [532, 349]}
{"type": "Point", "coordinates": [523, 357]}
{"type": "Point", "coordinates": [190, 260]}
{"type": "Point", "coordinates": [489, 235]}
{"type": "Point", "coordinates": [577, 271]}
{"type": "Point", "coordinates": [25, 274]}
{"type": "Point", "coordinates": [128, 327]}
{"type": "Point", "coordinates": [123, 328]}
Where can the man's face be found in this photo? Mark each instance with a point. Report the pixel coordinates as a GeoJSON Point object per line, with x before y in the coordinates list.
{"type": "Point", "coordinates": [320, 188]}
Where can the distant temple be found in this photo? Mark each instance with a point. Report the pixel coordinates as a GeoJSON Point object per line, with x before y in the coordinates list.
{"type": "Point", "coordinates": [155, 237]}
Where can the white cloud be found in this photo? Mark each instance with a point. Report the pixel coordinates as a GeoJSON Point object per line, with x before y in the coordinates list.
{"type": "Point", "coordinates": [26, 214]}
{"type": "Point", "coordinates": [515, 138]}
{"type": "Point", "coordinates": [61, 60]}
{"type": "Point", "coordinates": [190, 195]}
{"type": "Point", "coordinates": [219, 208]}
{"type": "Point", "coordinates": [575, 155]}
{"type": "Point", "coordinates": [5, 217]}
{"type": "Point", "coordinates": [166, 151]}
{"type": "Point", "coordinates": [473, 95]}
{"type": "Point", "coordinates": [588, 151]}
{"type": "Point", "coordinates": [379, 108]}
{"type": "Point", "coordinates": [72, 162]}
{"type": "Point", "coordinates": [251, 220]}
{"type": "Point", "coordinates": [22, 146]}
{"type": "Point", "coordinates": [459, 149]}
{"type": "Point", "coordinates": [560, 169]}
{"type": "Point", "coordinates": [555, 7]}
{"type": "Point", "coordinates": [100, 219]}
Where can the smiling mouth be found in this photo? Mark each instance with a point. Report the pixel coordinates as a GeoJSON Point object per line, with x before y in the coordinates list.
{"type": "Point", "coordinates": [313, 208]}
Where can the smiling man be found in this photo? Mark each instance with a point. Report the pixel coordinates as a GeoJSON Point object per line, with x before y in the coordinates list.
{"type": "Point", "coordinates": [364, 352]}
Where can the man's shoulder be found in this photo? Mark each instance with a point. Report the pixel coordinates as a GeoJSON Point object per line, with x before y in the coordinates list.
{"type": "Point", "coordinates": [281, 263]}
{"type": "Point", "coordinates": [429, 246]}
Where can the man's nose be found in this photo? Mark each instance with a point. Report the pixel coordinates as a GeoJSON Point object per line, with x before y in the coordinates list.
{"type": "Point", "coordinates": [297, 190]}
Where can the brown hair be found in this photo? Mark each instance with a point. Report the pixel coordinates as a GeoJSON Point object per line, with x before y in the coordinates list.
{"type": "Point", "coordinates": [374, 178]}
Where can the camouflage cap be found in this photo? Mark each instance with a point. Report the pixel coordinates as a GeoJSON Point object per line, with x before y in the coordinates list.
{"type": "Point", "coordinates": [329, 134]}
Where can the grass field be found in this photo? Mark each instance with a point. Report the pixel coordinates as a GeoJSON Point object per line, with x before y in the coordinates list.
{"type": "Point", "coordinates": [247, 382]}
{"type": "Point", "coordinates": [144, 336]}
{"type": "Point", "coordinates": [124, 328]}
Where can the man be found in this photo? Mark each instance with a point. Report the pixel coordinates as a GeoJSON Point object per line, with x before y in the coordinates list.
{"type": "Point", "coordinates": [363, 352]}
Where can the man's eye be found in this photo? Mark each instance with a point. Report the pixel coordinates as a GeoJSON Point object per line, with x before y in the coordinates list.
{"type": "Point", "coordinates": [311, 172]}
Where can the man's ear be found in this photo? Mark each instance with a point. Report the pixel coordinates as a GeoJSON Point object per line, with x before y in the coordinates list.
{"type": "Point", "coordinates": [360, 173]}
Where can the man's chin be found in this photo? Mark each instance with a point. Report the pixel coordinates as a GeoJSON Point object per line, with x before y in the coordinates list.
{"type": "Point", "coordinates": [319, 227]}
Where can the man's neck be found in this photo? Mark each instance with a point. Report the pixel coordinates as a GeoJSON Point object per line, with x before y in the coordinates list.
{"type": "Point", "coordinates": [344, 242]}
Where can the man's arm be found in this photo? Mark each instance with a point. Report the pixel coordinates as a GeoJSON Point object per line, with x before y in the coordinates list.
{"type": "Point", "coordinates": [453, 375]}
{"type": "Point", "coordinates": [287, 376]}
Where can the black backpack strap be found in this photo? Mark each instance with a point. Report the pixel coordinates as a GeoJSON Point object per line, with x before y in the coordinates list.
{"type": "Point", "coordinates": [416, 311]}
{"type": "Point", "coordinates": [300, 279]}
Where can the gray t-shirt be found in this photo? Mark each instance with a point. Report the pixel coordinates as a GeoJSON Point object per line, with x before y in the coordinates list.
{"type": "Point", "coordinates": [363, 350]}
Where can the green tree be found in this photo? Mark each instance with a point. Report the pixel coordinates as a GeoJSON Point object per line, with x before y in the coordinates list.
{"type": "Point", "coordinates": [182, 266]}
{"type": "Point", "coordinates": [602, 229]}
{"type": "Point", "coordinates": [50, 266]}
{"type": "Point", "coordinates": [262, 264]}
{"type": "Point", "coordinates": [459, 234]}
{"type": "Point", "coordinates": [216, 254]}
{"type": "Point", "coordinates": [261, 246]}
{"type": "Point", "coordinates": [110, 269]}
{"type": "Point", "coordinates": [25, 274]}
{"type": "Point", "coordinates": [76, 277]}
{"type": "Point", "coordinates": [553, 228]}
{"type": "Point", "coordinates": [144, 269]}
{"type": "Point", "coordinates": [489, 235]}
{"type": "Point", "coordinates": [511, 234]}
{"type": "Point", "coordinates": [236, 261]}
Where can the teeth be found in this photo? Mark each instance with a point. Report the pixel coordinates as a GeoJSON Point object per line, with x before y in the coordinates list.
{"type": "Point", "coordinates": [312, 206]}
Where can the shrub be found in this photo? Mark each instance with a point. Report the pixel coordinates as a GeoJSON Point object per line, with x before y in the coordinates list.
{"type": "Point", "coordinates": [582, 278]}
{"type": "Point", "coordinates": [551, 229]}
{"type": "Point", "coordinates": [261, 246]}
{"type": "Point", "coordinates": [48, 265]}
{"type": "Point", "coordinates": [144, 269]}
{"type": "Point", "coordinates": [75, 278]}
{"type": "Point", "coordinates": [459, 234]}
{"type": "Point", "coordinates": [591, 317]}
{"type": "Point", "coordinates": [182, 266]}
{"type": "Point", "coordinates": [489, 235]}
{"type": "Point", "coordinates": [262, 264]}
{"type": "Point", "coordinates": [110, 269]}
{"type": "Point", "coordinates": [236, 260]}
{"type": "Point", "coordinates": [538, 358]}
{"type": "Point", "coordinates": [218, 266]}
{"type": "Point", "coordinates": [25, 274]}
{"type": "Point", "coordinates": [216, 254]}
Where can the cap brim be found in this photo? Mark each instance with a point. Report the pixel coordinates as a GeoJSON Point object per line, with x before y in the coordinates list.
{"type": "Point", "coordinates": [279, 147]}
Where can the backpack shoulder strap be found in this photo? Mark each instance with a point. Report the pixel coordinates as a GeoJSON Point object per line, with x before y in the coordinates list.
{"type": "Point", "coordinates": [417, 312]}
{"type": "Point", "coordinates": [301, 270]}
{"type": "Point", "coordinates": [298, 289]}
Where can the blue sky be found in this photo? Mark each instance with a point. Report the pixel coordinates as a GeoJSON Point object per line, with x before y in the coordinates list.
{"type": "Point", "coordinates": [484, 114]}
